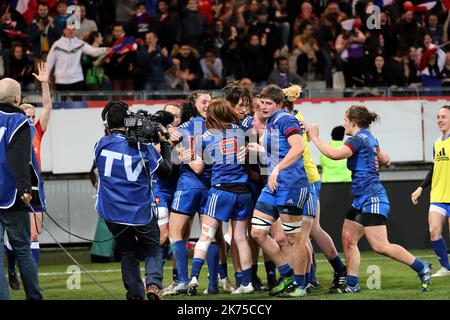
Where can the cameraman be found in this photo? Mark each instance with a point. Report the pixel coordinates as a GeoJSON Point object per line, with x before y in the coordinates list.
{"type": "Point", "coordinates": [125, 199]}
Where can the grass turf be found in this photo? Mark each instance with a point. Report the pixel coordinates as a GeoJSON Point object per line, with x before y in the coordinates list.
{"type": "Point", "coordinates": [398, 281]}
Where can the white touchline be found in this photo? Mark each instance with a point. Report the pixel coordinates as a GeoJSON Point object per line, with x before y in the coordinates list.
{"type": "Point", "coordinates": [47, 274]}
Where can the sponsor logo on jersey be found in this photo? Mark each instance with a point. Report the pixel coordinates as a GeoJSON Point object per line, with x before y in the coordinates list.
{"type": "Point", "coordinates": [442, 156]}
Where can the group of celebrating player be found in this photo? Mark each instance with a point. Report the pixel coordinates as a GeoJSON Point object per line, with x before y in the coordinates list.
{"type": "Point", "coordinates": [245, 158]}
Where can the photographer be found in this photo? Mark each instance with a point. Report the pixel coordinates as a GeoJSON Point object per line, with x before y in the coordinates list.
{"type": "Point", "coordinates": [125, 198]}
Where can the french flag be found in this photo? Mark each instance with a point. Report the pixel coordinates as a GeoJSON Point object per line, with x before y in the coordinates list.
{"type": "Point", "coordinates": [27, 8]}
{"type": "Point", "coordinates": [124, 45]}
{"type": "Point", "coordinates": [419, 5]}
{"type": "Point", "coordinates": [383, 3]}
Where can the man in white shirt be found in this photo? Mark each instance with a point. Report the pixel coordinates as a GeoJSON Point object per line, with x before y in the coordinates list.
{"type": "Point", "coordinates": [65, 56]}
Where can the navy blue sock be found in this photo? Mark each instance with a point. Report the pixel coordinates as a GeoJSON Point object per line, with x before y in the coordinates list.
{"type": "Point", "coordinates": [247, 276]}
{"type": "Point", "coordinates": [11, 261]}
{"type": "Point", "coordinates": [238, 276]}
{"type": "Point", "coordinates": [300, 280]}
{"type": "Point", "coordinates": [164, 253]}
{"type": "Point", "coordinates": [337, 264]}
{"type": "Point", "coordinates": [197, 264]}
{"type": "Point", "coordinates": [352, 280]}
{"type": "Point", "coordinates": [212, 259]}
{"type": "Point", "coordinates": [285, 270]}
{"type": "Point", "coordinates": [174, 274]}
{"type": "Point", "coordinates": [312, 271]}
{"type": "Point", "coordinates": [181, 257]}
{"type": "Point", "coordinates": [307, 278]}
{"type": "Point", "coordinates": [441, 251]}
{"type": "Point", "coordinates": [254, 270]}
{"type": "Point", "coordinates": [223, 270]}
{"type": "Point", "coordinates": [270, 270]}
{"type": "Point", "coordinates": [417, 265]}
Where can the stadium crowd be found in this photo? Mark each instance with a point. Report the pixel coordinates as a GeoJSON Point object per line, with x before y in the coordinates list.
{"type": "Point", "coordinates": [204, 44]}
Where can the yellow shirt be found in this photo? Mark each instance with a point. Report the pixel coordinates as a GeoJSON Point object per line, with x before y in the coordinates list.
{"type": "Point", "coordinates": [440, 184]}
{"type": "Point", "coordinates": [310, 166]}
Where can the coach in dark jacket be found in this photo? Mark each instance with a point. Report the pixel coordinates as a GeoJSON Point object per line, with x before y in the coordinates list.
{"type": "Point", "coordinates": [153, 63]}
{"type": "Point", "coordinates": [16, 136]}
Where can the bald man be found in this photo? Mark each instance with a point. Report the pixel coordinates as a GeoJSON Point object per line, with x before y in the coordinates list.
{"type": "Point", "coordinates": [16, 136]}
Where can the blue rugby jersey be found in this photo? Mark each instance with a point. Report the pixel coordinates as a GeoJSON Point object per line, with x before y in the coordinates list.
{"type": "Point", "coordinates": [247, 123]}
{"type": "Point", "coordinates": [220, 149]}
{"type": "Point", "coordinates": [192, 132]}
{"type": "Point", "coordinates": [279, 127]}
{"type": "Point", "coordinates": [364, 163]}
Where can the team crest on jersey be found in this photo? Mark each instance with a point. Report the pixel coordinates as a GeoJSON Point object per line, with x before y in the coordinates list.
{"type": "Point", "coordinates": [272, 128]}
{"type": "Point", "coordinates": [157, 200]}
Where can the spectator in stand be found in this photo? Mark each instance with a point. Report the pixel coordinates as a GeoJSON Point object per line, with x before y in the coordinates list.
{"type": "Point", "coordinates": [251, 13]}
{"type": "Point", "coordinates": [408, 30]}
{"type": "Point", "coordinates": [231, 56]}
{"type": "Point", "coordinates": [375, 45]}
{"type": "Point", "coordinates": [306, 15]}
{"type": "Point", "coordinates": [350, 48]}
{"type": "Point", "coordinates": [124, 9]}
{"type": "Point", "coordinates": [282, 77]}
{"type": "Point", "coordinates": [167, 25]}
{"type": "Point", "coordinates": [377, 76]}
{"type": "Point", "coordinates": [434, 30]}
{"type": "Point", "coordinates": [190, 65]}
{"type": "Point", "coordinates": [231, 15]}
{"type": "Point", "coordinates": [257, 59]}
{"type": "Point", "coordinates": [42, 32]}
{"type": "Point", "coordinates": [193, 25]}
{"type": "Point", "coordinates": [397, 75]}
{"type": "Point", "coordinates": [12, 28]}
{"type": "Point", "coordinates": [20, 68]}
{"type": "Point", "coordinates": [212, 68]}
{"type": "Point", "coordinates": [175, 78]}
{"type": "Point", "coordinates": [411, 65]}
{"type": "Point", "coordinates": [308, 46]}
{"type": "Point", "coordinates": [268, 30]}
{"type": "Point", "coordinates": [140, 21]}
{"type": "Point", "coordinates": [217, 36]}
{"type": "Point", "coordinates": [120, 67]}
{"type": "Point", "coordinates": [65, 58]}
{"type": "Point", "coordinates": [86, 25]}
{"type": "Point", "coordinates": [153, 62]}
{"type": "Point", "coordinates": [280, 17]}
{"type": "Point", "coordinates": [446, 71]}
{"type": "Point", "coordinates": [329, 31]}
{"type": "Point", "coordinates": [60, 20]}
{"type": "Point", "coordinates": [93, 67]}
{"type": "Point", "coordinates": [431, 65]}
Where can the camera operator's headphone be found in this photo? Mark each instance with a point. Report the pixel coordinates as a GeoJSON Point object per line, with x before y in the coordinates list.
{"type": "Point", "coordinates": [109, 105]}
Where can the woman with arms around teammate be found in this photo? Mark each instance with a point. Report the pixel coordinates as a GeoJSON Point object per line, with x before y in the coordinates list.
{"type": "Point", "coordinates": [370, 208]}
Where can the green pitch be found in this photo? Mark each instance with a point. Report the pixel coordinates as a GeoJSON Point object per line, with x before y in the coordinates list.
{"type": "Point", "coordinates": [397, 281]}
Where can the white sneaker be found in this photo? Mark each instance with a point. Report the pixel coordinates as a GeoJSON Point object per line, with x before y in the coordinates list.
{"type": "Point", "coordinates": [226, 286]}
{"type": "Point", "coordinates": [192, 288]}
{"type": "Point", "coordinates": [442, 272]}
{"type": "Point", "coordinates": [244, 289]}
{"type": "Point", "coordinates": [170, 290]}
